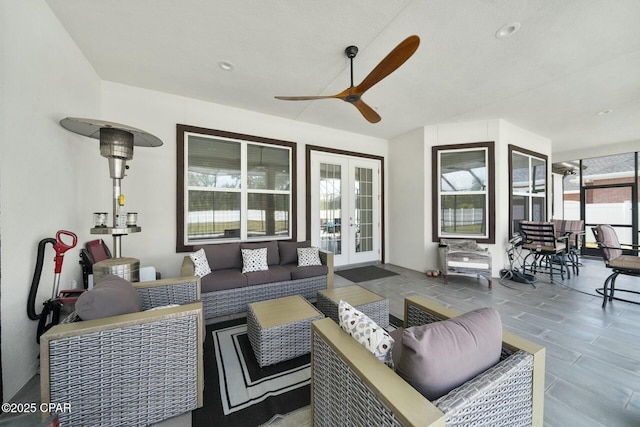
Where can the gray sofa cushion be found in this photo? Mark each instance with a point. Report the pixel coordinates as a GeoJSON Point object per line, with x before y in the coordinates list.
{"type": "Point", "coordinates": [306, 272]}
{"type": "Point", "coordinates": [219, 280]}
{"type": "Point", "coordinates": [438, 357]}
{"type": "Point", "coordinates": [111, 296]}
{"type": "Point", "coordinates": [273, 255]}
{"type": "Point", "coordinates": [223, 256]}
{"type": "Point", "coordinates": [275, 273]}
{"type": "Point", "coordinates": [288, 251]}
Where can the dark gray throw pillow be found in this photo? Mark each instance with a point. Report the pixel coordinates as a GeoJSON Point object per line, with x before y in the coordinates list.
{"type": "Point", "coordinates": [440, 356]}
{"type": "Point", "coordinates": [111, 296]}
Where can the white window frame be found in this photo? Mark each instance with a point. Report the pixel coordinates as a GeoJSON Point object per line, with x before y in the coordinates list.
{"type": "Point", "coordinates": [528, 193]}
{"type": "Point", "coordinates": [187, 242]}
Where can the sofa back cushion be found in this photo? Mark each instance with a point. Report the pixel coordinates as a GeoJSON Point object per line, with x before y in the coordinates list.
{"type": "Point", "coordinates": [440, 356]}
{"type": "Point", "coordinates": [223, 256]}
{"type": "Point", "coordinates": [273, 256]}
{"type": "Point", "coordinates": [288, 251]}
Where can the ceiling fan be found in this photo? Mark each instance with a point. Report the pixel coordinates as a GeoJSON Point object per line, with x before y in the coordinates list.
{"type": "Point", "coordinates": [353, 94]}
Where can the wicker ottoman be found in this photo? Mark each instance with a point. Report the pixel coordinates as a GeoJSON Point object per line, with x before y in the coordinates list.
{"type": "Point", "coordinates": [371, 304]}
{"type": "Point", "coordinates": [280, 329]}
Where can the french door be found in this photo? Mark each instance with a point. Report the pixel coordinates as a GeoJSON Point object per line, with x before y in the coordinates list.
{"type": "Point", "coordinates": [345, 207]}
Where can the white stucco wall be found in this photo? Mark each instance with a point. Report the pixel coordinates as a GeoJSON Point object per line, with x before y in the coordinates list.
{"type": "Point", "coordinates": [150, 186]}
{"type": "Point", "coordinates": [45, 78]}
{"type": "Point", "coordinates": [406, 173]}
{"type": "Point", "coordinates": [407, 198]}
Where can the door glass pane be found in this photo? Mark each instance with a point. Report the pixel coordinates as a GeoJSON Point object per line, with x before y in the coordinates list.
{"type": "Point", "coordinates": [609, 206]}
{"type": "Point", "coordinates": [363, 215]}
{"type": "Point", "coordinates": [463, 214]}
{"type": "Point", "coordinates": [330, 208]}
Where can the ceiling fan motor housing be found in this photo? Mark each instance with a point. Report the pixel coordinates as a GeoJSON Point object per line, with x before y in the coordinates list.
{"type": "Point", "coordinates": [351, 51]}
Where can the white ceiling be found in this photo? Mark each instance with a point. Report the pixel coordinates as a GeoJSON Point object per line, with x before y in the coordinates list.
{"type": "Point", "coordinates": [570, 59]}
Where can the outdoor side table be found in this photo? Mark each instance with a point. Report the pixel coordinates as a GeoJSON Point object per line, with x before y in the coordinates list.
{"type": "Point", "coordinates": [280, 329]}
{"type": "Point", "coordinates": [370, 303]}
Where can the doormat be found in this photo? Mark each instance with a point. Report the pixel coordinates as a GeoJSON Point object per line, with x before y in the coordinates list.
{"type": "Point", "coordinates": [363, 274]}
{"type": "Point", "coordinates": [237, 392]}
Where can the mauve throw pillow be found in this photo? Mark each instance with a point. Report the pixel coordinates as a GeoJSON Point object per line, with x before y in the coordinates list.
{"type": "Point", "coordinates": [440, 356]}
{"type": "Point", "coordinates": [111, 296]}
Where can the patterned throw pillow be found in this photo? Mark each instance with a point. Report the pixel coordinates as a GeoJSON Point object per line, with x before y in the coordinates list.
{"type": "Point", "coordinates": [254, 260]}
{"type": "Point", "coordinates": [201, 263]}
{"type": "Point", "coordinates": [308, 256]}
{"type": "Point", "coordinates": [366, 332]}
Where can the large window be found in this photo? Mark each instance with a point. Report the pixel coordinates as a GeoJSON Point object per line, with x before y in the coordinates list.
{"type": "Point", "coordinates": [233, 187]}
{"type": "Point", "coordinates": [464, 192]}
{"type": "Point", "coordinates": [528, 184]}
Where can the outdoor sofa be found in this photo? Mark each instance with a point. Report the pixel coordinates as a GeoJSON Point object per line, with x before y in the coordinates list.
{"type": "Point", "coordinates": [228, 291]}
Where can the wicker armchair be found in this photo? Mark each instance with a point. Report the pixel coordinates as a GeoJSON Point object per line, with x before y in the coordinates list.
{"type": "Point", "coordinates": [351, 387]}
{"type": "Point", "coordinates": [129, 370]}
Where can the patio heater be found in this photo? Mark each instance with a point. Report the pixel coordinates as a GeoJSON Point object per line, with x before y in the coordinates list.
{"type": "Point", "coordinates": [116, 144]}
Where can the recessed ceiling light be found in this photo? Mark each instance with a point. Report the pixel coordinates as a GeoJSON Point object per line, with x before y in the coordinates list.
{"type": "Point", "coordinates": [508, 30]}
{"type": "Point", "coordinates": [225, 65]}
{"type": "Point", "coordinates": [604, 112]}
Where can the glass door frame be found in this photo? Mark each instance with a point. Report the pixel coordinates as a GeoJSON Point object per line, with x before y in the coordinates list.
{"type": "Point", "coordinates": [634, 214]}
{"type": "Point", "coordinates": [309, 149]}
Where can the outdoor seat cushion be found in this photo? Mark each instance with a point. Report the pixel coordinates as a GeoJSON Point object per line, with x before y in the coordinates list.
{"type": "Point", "coordinates": [438, 357]}
{"type": "Point", "coordinates": [219, 280]}
{"type": "Point", "coordinates": [306, 272]}
{"type": "Point", "coordinates": [627, 262]}
{"type": "Point", "coordinates": [111, 296]}
{"type": "Point", "coordinates": [223, 256]}
{"type": "Point", "coordinates": [545, 248]}
{"type": "Point", "coordinates": [275, 273]}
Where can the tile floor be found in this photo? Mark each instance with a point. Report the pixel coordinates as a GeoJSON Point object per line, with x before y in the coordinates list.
{"type": "Point", "coordinates": [593, 355]}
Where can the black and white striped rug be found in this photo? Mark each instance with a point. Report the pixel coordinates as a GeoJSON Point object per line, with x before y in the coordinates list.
{"type": "Point", "coordinates": [240, 393]}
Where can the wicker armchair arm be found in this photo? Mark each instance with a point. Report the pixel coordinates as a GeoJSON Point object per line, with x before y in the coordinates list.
{"type": "Point", "coordinates": [187, 268]}
{"type": "Point", "coordinates": [158, 293]}
{"type": "Point", "coordinates": [351, 386]}
{"type": "Point", "coordinates": [507, 385]}
{"type": "Point", "coordinates": [326, 258]}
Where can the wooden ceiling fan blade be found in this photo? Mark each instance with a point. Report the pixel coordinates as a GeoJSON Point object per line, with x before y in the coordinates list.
{"type": "Point", "coordinates": [390, 63]}
{"type": "Point", "coordinates": [304, 98]}
{"type": "Point", "coordinates": [366, 111]}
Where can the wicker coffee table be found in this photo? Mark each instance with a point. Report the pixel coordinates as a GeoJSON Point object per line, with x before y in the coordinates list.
{"type": "Point", "coordinates": [371, 304]}
{"type": "Point", "coordinates": [280, 329]}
